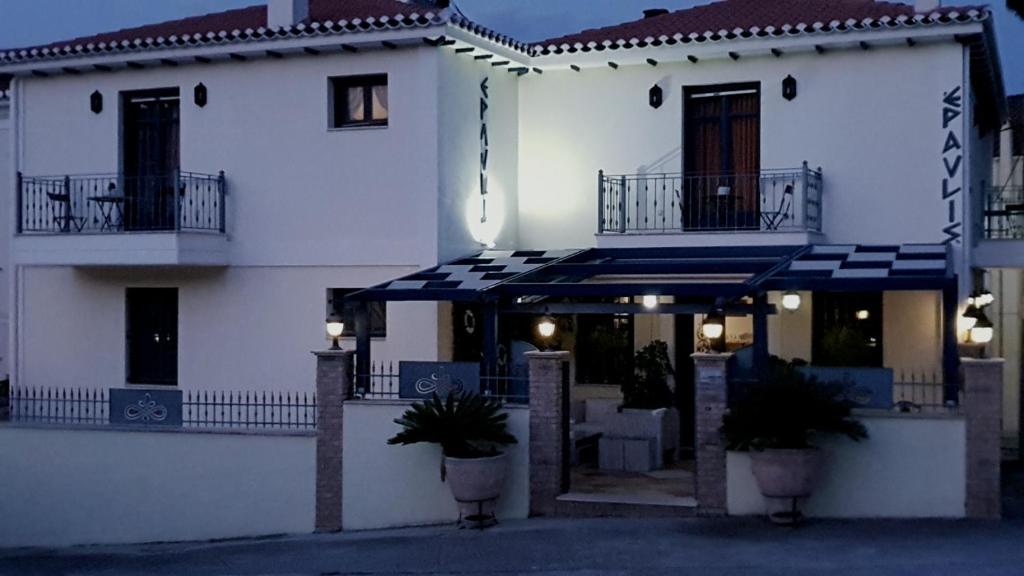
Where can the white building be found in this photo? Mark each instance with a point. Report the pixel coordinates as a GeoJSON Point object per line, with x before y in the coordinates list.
{"type": "Point", "coordinates": [184, 196]}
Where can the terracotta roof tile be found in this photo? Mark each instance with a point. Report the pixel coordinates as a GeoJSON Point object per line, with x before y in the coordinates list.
{"type": "Point", "coordinates": [729, 15]}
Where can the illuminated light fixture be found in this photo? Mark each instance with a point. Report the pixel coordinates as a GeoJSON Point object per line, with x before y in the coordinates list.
{"type": "Point", "coordinates": [983, 330]}
{"type": "Point", "coordinates": [970, 316]}
{"type": "Point", "coordinates": [335, 328]}
{"type": "Point", "coordinates": [863, 314]}
{"type": "Point", "coordinates": [984, 298]}
{"type": "Point", "coordinates": [546, 327]}
{"type": "Point", "coordinates": [714, 325]}
{"type": "Point", "coordinates": [650, 301]}
{"type": "Point", "coordinates": [791, 301]}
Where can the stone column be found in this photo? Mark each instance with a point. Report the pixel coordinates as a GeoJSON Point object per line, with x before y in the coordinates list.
{"type": "Point", "coordinates": [333, 387]}
{"type": "Point", "coordinates": [710, 383]}
{"type": "Point", "coordinates": [983, 411]}
{"type": "Point", "coordinates": [549, 429]}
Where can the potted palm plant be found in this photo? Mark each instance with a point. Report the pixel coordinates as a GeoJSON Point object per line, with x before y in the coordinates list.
{"type": "Point", "coordinates": [777, 422]}
{"type": "Point", "coordinates": [471, 430]}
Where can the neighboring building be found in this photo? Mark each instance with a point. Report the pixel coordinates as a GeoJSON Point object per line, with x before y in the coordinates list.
{"type": "Point", "coordinates": [192, 193]}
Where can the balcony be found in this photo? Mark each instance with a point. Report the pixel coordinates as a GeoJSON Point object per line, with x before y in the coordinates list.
{"type": "Point", "coordinates": [732, 206]}
{"type": "Point", "coordinates": [115, 219]}
{"type": "Point", "coordinates": [1002, 235]}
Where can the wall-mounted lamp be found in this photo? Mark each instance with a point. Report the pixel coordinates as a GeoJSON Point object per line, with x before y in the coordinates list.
{"type": "Point", "coordinates": [335, 328]}
{"type": "Point", "coordinates": [656, 97]}
{"type": "Point", "coordinates": [96, 102]}
{"type": "Point", "coordinates": [789, 88]}
{"type": "Point", "coordinates": [791, 301]}
{"type": "Point", "coordinates": [650, 301]}
{"type": "Point", "coordinates": [862, 314]}
{"type": "Point", "coordinates": [199, 95]}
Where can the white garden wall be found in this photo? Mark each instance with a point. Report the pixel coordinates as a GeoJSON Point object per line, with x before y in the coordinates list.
{"type": "Point", "coordinates": [76, 486]}
{"type": "Point", "coordinates": [386, 486]}
{"type": "Point", "coordinates": [912, 466]}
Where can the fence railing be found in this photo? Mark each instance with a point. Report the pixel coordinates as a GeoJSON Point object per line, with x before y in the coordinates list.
{"type": "Point", "coordinates": [257, 410]}
{"type": "Point", "coordinates": [1004, 213]}
{"type": "Point", "coordinates": [383, 382]}
{"type": "Point", "coordinates": [787, 200]}
{"type": "Point", "coordinates": [116, 203]}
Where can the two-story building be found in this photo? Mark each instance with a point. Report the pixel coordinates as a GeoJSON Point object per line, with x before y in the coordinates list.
{"type": "Point", "coordinates": [188, 200]}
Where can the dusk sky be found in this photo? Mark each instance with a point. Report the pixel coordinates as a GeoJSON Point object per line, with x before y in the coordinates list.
{"type": "Point", "coordinates": [32, 22]}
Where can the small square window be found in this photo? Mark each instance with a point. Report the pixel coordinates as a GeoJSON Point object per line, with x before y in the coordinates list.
{"type": "Point", "coordinates": [359, 101]}
{"type": "Point", "coordinates": [347, 310]}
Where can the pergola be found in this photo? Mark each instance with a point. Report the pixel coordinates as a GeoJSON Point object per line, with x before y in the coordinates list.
{"type": "Point", "coordinates": [733, 279]}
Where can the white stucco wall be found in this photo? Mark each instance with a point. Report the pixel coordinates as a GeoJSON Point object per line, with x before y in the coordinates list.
{"type": "Point", "coordinates": [872, 120]}
{"type": "Point", "coordinates": [63, 487]}
{"type": "Point", "coordinates": [910, 467]}
{"type": "Point", "coordinates": [459, 149]}
{"type": "Point", "coordinates": [239, 328]}
{"type": "Point", "coordinates": [387, 486]}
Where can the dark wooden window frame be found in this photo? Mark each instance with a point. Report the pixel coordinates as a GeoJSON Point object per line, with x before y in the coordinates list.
{"type": "Point", "coordinates": [725, 133]}
{"type": "Point", "coordinates": [339, 87]}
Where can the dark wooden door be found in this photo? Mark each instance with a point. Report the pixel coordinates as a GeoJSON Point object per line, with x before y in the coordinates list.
{"type": "Point", "coordinates": [151, 152]}
{"type": "Point", "coordinates": [722, 157]}
{"type": "Point", "coordinates": [152, 335]}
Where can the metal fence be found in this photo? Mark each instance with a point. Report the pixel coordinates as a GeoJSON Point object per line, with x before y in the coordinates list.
{"type": "Point", "coordinates": [787, 200]}
{"type": "Point", "coordinates": [1004, 213]}
{"type": "Point", "coordinates": [116, 203]}
{"type": "Point", "coordinates": [913, 393]}
{"type": "Point", "coordinates": [383, 382]}
{"type": "Point", "coordinates": [257, 410]}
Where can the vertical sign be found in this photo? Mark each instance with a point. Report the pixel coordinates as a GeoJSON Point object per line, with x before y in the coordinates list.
{"type": "Point", "coordinates": [952, 164]}
{"type": "Point", "coordinates": [484, 148]}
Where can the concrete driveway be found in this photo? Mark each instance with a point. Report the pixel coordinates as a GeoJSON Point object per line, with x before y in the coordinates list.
{"type": "Point", "coordinates": [576, 547]}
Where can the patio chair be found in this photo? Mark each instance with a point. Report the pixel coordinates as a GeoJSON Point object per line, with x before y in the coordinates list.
{"type": "Point", "coordinates": [63, 214]}
{"type": "Point", "coordinates": [775, 217]}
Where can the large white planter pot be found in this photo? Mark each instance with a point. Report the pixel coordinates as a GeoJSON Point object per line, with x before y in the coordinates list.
{"type": "Point", "coordinates": [786, 473]}
{"type": "Point", "coordinates": [476, 479]}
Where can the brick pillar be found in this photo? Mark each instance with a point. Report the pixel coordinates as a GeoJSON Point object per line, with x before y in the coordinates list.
{"type": "Point", "coordinates": [983, 410]}
{"type": "Point", "coordinates": [333, 387]}
{"type": "Point", "coordinates": [549, 429]}
{"type": "Point", "coordinates": [711, 391]}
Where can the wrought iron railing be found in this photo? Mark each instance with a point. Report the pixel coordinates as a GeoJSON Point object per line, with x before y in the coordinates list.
{"type": "Point", "coordinates": [252, 410]}
{"type": "Point", "coordinates": [383, 382]}
{"type": "Point", "coordinates": [1004, 213]}
{"type": "Point", "coordinates": [769, 201]}
{"type": "Point", "coordinates": [116, 203]}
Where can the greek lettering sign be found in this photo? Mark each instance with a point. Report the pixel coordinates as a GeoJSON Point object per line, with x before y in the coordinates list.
{"type": "Point", "coordinates": [424, 379]}
{"type": "Point", "coordinates": [145, 407]}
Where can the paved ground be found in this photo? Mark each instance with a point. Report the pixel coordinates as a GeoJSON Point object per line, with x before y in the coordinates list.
{"type": "Point", "coordinates": [575, 547]}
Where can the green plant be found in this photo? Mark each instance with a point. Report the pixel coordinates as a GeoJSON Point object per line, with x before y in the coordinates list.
{"type": "Point", "coordinates": [648, 389]}
{"type": "Point", "coordinates": [466, 425]}
{"type": "Point", "coordinates": [788, 411]}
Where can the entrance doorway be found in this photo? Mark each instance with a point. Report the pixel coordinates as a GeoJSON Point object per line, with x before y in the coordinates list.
{"type": "Point", "coordinates": [150, 158]}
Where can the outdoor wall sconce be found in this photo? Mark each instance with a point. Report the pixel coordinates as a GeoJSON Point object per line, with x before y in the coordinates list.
{"type": "Point", "coordinates": [862, 314]}
{"type": "Point", "coordinates": [96, 102]}
{"type": "Point", "coordinates": [656, 97]}
{"type": "Point", "coordinates": [650, 301]}
{"type": "Point", "coordinates": [789, 87]}
{"type": "Point", "coordinates": [714, 325]}
{"type": "Point", "coordinates": [199, 95]}
{"type": "Point", "coordinates": [791, 301]}
{"type": "Point", "coordinates": [335, 328]}
{"type": "Point", "coordinates": [983, 330]}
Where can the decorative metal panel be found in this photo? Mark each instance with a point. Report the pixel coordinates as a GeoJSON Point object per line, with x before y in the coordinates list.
{"type": "Point", "coordinates": [131, 407]}
{"type": "Point", "coordinates": [424, 379]}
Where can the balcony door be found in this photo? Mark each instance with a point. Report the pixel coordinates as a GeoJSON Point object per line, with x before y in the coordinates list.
{"type": "Point", "coordinates": [722, 157]}
{"type": "Point", "coordinates": [150, 158]}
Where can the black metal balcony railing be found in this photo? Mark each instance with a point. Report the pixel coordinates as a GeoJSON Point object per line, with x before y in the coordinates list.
{"type": "Point", "coordinates": [769, 201]}
{"type": "Point", "coordinates": [115, 203]}
{"type": "Point", "coordinates": [1004, 213]}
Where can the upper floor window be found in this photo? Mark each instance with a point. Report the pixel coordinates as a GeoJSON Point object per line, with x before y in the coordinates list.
{"type": "Point", "coordinates": [358, 101]}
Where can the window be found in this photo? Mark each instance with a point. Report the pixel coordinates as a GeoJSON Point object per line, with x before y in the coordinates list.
{"type": "Point", "coordinates": [151, 335]}
{"type": "Point", "coordinates": [378, 312]}
{"type": "Point", "coordinates": [847, 329]}
{"type": "Point", "coordinates": [359, 101]}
